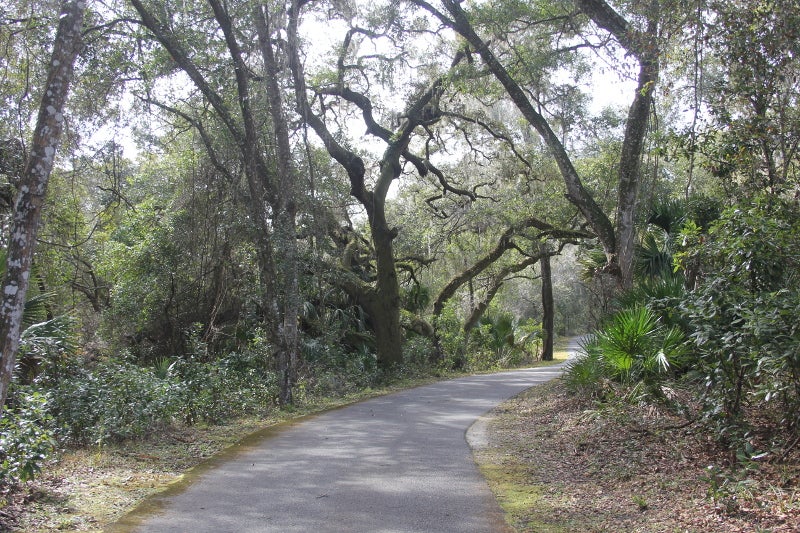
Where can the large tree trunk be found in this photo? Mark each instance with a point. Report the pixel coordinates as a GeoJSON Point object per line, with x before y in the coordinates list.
{"type": "Point", "coordinates": [33, 185]}
{"type": "Point", "coordinates": [644, 46]}
{"type": "Point", "coordinates": [630, 172]}
{"type": "Point", "coordinates": [285, 220]}
{"type": "Point", "coordinates": [385, 316]}
{"type": "Point", "coordinates": [388, 332]}
{"type": "Point", "coordinates": [548, 308]}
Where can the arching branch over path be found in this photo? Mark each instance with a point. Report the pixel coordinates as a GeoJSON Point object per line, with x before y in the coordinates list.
{"type": "Point", "coordinates": [504, 243]}
{"type": "Point", "coordinates": [617, 242]}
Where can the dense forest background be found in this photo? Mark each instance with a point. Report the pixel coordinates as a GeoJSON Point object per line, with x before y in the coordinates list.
{"type": "Point", "coordinates": [255, 202]}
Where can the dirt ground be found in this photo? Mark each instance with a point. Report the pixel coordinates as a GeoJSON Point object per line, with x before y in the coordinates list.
{"type": "Point", "coordinates": [559, 464]}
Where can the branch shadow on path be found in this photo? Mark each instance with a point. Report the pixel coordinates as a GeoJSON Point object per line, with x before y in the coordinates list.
{"type": "Point", "coordinates": [396, 463]}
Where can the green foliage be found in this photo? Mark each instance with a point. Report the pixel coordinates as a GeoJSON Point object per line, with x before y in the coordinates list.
{"type": "Point", "coordinates": [634, 349]}
{"type": "Point", "coordinates": [654, 255]}
{"type": "Point", "coordinates": [743, 316]}
{"type": "Point", "coordinates": [416, 298]}
{"type": "Point", "coordinates": [45, 345]}
{"type": "Point", "coordinates": [211, 392]}
{"type": "Point", "coordinates": [114, 400]}
{"type": "Point", "coordinates": [452, 338]}
{"type": "Point", "coordinates": [637, 348]}
{"type": "Point", "coordinates": [499, 341]}
{"type": "Point", "coordinates": [496, 331]}
{"type": "Point", "coordinates": [742, 354]}
{"type": "Point", "coordinates": [662, 295]}
{"type": "Point", "coordinates": [178, 256]}
{"type": "Point", "coordinates": [27, 438]}
{"type": "Point", "coordinates": [338, 350]}
{"type": "Point", "coordinates": [333, 369]}
{"type": "Point", "coordinates": [417, 351]}
{"type": "Point", "coordinates": [585, 375]}
{"type": "Point", "coordinates": [752, 144]}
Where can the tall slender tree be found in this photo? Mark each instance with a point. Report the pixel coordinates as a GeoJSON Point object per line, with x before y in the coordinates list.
{"type": "Point", "coordinates": [548, 307]}
{"type": "Point", "coordinates": [33, 184]}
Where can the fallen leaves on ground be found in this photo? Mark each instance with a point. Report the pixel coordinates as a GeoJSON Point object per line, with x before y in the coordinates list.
{"type": "Point", "coordinates": [560, 464]}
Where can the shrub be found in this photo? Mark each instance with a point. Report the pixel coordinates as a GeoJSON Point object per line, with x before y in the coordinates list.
{"type": "Point", "coordinates": [585, 374]}
{"type": "Point", "coordinates": [333, 369]}
{"type": "Point", "coordinates": [662, 295]}
{"type": "Point", "coordinates": [633, 349]}
{"type": "Point", "coordinates": [27, 439]}
{"type": "Point", "coordinates": [417, 351]}
{"type": "Point", "coordinates": [636, 347]}
{"type": "Point", "coordinates": [743, 315]}
{"type": "Point", "coordinates": [114, 400]}
{"type": "Point", "coordinates": [500, 342]}
{"type": "Point", "coordinates": [213, 391]}
{"type": "Point", "coordinates": [45, 345]}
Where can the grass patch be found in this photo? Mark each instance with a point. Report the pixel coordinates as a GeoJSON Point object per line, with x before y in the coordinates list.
{"type": "Point", "coordinates": [516, 495]}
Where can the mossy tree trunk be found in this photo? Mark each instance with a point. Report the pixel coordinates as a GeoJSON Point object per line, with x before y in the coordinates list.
{"type": "Point", "coordinates": [33, 185]}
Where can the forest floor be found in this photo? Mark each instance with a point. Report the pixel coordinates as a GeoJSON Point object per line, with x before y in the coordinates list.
{"type": "Point", "coordinates": [560, 464]}
{"type": "Point", "coordinates": [556, 464]}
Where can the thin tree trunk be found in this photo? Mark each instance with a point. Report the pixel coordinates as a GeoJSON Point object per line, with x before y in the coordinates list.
{"type": "Point", "coordinates": [548, 308]}
{"type": "Point", "coordinates": [33, 185]}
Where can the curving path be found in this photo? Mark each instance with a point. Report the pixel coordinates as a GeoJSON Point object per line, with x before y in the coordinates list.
{"type": "Point", "coordinates": [397, 463]}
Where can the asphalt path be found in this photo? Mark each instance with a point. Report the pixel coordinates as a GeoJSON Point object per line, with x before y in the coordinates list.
{"type": "Point", "coordinates": [397, 463]}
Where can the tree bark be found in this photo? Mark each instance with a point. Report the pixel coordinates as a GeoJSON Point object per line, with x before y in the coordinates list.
{"type": "Point", "coordinates": [644, 46]}
{"type": "Point", "coordinates": [548, 307]}
{"type": "Point", "coordinates": [33, 185]}
{"type": "Point", "coordinates": [285, 221]}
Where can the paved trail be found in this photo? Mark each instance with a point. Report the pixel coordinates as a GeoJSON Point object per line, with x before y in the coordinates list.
{"type": "Point", "coordinates": [398, 463]}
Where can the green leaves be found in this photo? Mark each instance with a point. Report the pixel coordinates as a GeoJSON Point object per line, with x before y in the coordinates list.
{"type": "Point", "coordinates": [753, 95]}
{"type": "Point", "coordinates": [27, 439]}
{"type": "Point", "coordinates": [634, 346]}
{"type": "Point", "coordinates": [743, 316]}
